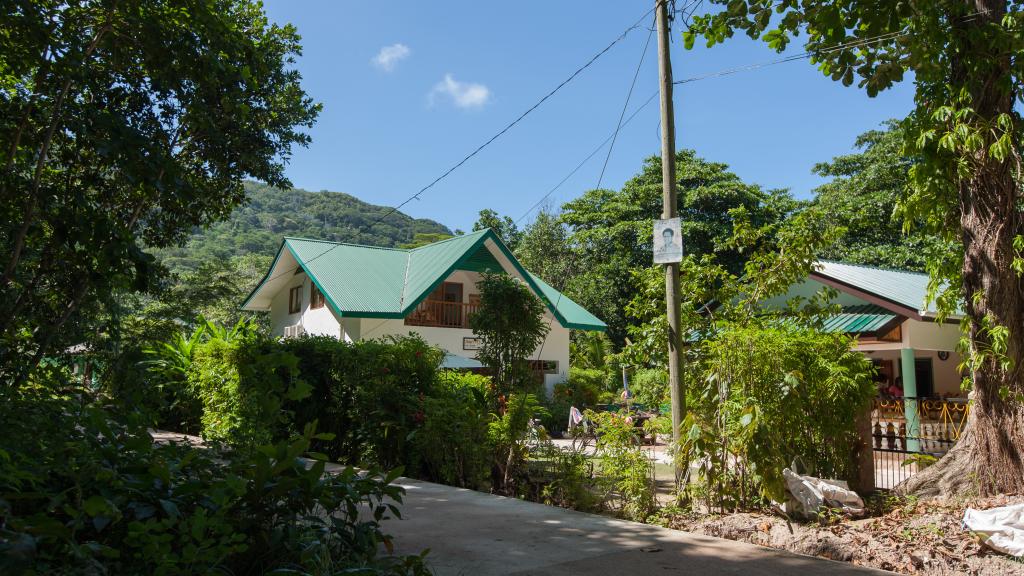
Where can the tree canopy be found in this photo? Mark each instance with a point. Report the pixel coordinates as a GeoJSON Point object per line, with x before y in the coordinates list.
{"type": "Point", "coordinates": [125, 126]}
{"type": "Point", "coordinates": [863, 196]}
{"type": "Point", "coordinates": [269, 214]}
{"type": "Point", "coordinates": [965, 132]}
{"type": "Point", "coordinates": [612, 230]}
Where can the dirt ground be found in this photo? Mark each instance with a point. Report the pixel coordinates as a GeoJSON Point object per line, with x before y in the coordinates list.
{"type": "Point", "coordinates": [914, 538]}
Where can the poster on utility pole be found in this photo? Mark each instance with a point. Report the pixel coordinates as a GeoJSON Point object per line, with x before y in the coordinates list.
{"type": "Point", "coordinates": [668, 241]}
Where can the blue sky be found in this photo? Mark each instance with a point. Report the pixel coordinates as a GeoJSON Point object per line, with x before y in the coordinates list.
{"type": "Point", "coordinates": [410, 88]}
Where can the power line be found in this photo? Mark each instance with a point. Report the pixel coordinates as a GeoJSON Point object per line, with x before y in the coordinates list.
{"type": "Point", "coordinates": [500, 133]}
{"type": "Point", "coordinates": [571, 77]}
{"type": "Point", "coordinates": [625, 106]}
{"type": "Point", "coordinates": [588, 157]}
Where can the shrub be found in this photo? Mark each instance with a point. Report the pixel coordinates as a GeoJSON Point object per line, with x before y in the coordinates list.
{"type": "Point", "coordinates": [579, 392]}
{"type": "Point", "coordinates": [775, 393]}
{"type": "Point", "coordinates": [243, 384]}
{"type": "Point", "coordinates": [650, 387]}
{"type": "Point", "coordinates": [509, 434]}
{"type": "Point", "coordinates": [96, 496]}
{"type": "Point", "coordinates": [569, 478]}
{"type": "Point", "coordinates": [627, 474]}
{"type": "Point", "coordinates": [452, 445]}
{"type": "Point", "coordinates": [368, 394]}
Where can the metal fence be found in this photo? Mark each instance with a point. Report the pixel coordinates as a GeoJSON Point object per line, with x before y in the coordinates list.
{"type": "Point", "coordinates": [910, 433]}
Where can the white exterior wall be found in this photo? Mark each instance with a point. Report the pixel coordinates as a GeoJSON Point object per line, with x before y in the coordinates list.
{"type": "Point", "coordinates": [555, 346]}
{"type": "Point", "coordinates": [317, 322]}
{"type": "Point", "coordinates": [927, 339]}
{"type": "Point", "coordinates": [323, 321]}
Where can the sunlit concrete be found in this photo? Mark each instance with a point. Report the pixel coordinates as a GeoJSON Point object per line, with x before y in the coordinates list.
{"type": "Point", "coordinates": [474, 534]}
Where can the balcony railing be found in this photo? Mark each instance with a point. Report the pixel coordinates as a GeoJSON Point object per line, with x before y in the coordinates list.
{"type": "Point", "coordinates": [441, 314]}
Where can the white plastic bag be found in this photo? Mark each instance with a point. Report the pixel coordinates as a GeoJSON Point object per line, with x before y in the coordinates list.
{"type": "Point", "coordinates": [1003, 527]}
{"type": "Point", "coordinates": [809, 494]}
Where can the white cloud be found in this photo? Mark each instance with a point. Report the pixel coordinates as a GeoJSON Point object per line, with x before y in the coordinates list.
{"type": "Point", "coordinates": [463, 94]}
{"type": "Point", "coordinates": [390, 55]}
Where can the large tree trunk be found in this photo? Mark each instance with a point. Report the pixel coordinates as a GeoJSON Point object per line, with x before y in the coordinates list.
{"type": "Point", "coordinates": [989, 458]}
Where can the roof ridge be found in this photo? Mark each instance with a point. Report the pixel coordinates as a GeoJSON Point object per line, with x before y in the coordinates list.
{"type": "Point", "coordinates": [347, 244]}
{"type": "Point", "coordinates": [870, 267]}
{"type": "Point", "coordinates": [459, 237]}
{"type": "Point", "coordinates": [405, 280]}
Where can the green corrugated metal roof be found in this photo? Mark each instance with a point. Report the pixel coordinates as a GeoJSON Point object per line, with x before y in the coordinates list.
{"type": "Point", "coordinates": [364, 281]}
{"type": "Point", "coordinates": [862, 319]}
{"type": "Point", "coordinates": [375, 289]}
{"type": "Point", "coordinates": [908, 289]}
{"type": "Point", "coordinates": [575, 316]}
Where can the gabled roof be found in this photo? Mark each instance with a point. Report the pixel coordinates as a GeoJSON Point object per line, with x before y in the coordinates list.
{"type": "Point", "coordinates": [899, 291]}
{"type": "Point", "coordinates": [365, 281]}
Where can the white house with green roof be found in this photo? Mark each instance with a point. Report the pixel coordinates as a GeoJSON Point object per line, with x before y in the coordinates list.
{"type": "Point", "coordinates": [354, 292]}
{"type": "Point", "coordinates": [895, 326]}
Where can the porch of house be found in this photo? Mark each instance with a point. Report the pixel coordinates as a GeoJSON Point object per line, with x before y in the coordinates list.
{"type": "Point", "coordinates": [921, 408]}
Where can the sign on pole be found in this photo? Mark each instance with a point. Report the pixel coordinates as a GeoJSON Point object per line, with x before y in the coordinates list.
{"type": "Point", "coordinates": [668, 241]}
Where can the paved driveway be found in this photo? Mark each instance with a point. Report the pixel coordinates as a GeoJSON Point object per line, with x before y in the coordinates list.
{"type": "Point", "coordinates": [474, 534]}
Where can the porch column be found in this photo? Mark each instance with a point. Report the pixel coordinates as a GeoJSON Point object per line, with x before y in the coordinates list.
{"type": "Point", "coordinates": [909, 376]}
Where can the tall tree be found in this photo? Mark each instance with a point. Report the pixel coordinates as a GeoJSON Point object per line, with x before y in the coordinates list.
{"type": "Point", "coordinates": [612, 230]}
{"type": "Point", "coordinates": [966, 186]}
{"type": "Point", "coordinates": [503, 226]}
{"type": "Point", "coordinates": [544, 249]}
{"type": "Point", "coordinates": [863, 194]}
{"type": "Point", "coordinates": [125, 125]}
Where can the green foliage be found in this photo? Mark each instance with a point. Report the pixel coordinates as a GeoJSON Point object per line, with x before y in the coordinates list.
{"type": "Point", "coordinates": [271, 213]}
{"type": "Point", "coordinates": [96, 495]}
{"type": "Point", "coordinates": [128, 125]}
{"type": "Point", "coordinates": [503, 226]}
{"type": "Point", "coordinates": [590, 350]}
{"type": "Point", "coordinates": [369, 395]}
{"type": "Point", "coordinates": [582, 391]}
{"type": "Point", "coordinates": [865, 190]}
{"type": "Point", "coordinates": [177, 405]}
{"type": "Point", "coordinates": [452, 443]}
{"type": "Point", "coordinates": [545, 250]}
{"type": "Point", "coordinates": [244, 383]}
{"type": "Point", "coordinates": [509, 433]}
{"type": "Point", "coordinates": [774, 393]}
{"type": "Point", "coordinates": [424, 238]}
{"type": "Point", "coordinates": [626, 473]}
{"type": "Point", "coordinates": [510, 321]}
{"type": "Point", "coordinates": [965, 134]}
{"type": "Point", "coordinates": [570, 481]}
{"type": "Point", "coordinates": [612, 234]}
{"type": "Point", "coordinates": [650, 387]}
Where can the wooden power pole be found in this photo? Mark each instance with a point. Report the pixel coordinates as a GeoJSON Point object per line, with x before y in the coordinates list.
{"type": "Point", "coordinates": [668, 179]}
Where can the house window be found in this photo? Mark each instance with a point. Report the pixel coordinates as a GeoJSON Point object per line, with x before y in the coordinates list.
{"type": "Point", "coordinates": [295, 300]}
{"type": "Point", "coordinates": [316, 297]}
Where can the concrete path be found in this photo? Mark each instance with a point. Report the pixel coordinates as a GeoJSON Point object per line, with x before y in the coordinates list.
{"type": "Point", "coordinates": [474, 534]}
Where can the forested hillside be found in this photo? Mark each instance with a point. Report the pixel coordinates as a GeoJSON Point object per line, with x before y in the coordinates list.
{"type": "Point", "coordinates": [270, 213]}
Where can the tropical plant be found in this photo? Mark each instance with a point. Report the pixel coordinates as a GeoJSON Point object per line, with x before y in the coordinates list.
{"type": "Point", "coordinates": [965, 133]}
{"type": "Point", "coordinates": [127, 125]}
{"type": "Point", "coordinates": [503, 226]}
{"type": "Point", "coordinates": [611, 231]}
{"type": "Point", "coordinates": [452, 445]}
{"type": "Point", "coordinates": [97, 495]}
{"type": "Point", "coordinates": [774, 393]}
{"type": "Point", "coordinates": [510, 322]}
{"type": "Point", "coordinates": [626, 472]}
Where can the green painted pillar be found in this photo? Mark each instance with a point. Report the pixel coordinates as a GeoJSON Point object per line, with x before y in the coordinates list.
{"type": "Point", "coordinates": [909, 375]}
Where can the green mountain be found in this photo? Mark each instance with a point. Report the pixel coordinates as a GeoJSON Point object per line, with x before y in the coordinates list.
{"type": "Point", "coordinates": [272, 213]}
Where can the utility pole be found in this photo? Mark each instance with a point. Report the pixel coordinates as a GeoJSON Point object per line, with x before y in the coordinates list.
{"type": "Point", "coordinates": [668, 179]}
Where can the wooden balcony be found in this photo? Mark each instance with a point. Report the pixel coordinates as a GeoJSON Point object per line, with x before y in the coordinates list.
{"type": "Point", "coordinates": [441, 314]}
